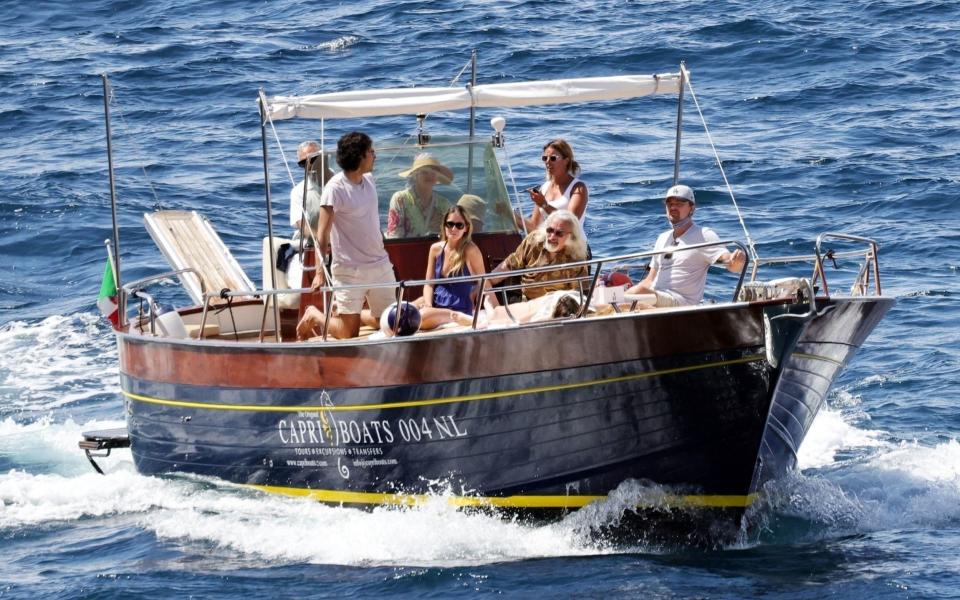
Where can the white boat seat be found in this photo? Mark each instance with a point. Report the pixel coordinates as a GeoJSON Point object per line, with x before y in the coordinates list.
{"type": "Point", "coordinates": [279, 281]}
{"type": "Point", "coordinates": [187, 240]}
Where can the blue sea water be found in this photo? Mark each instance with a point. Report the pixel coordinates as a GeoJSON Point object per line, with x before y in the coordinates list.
{"type": "Point", "coordinates": [828, 115]}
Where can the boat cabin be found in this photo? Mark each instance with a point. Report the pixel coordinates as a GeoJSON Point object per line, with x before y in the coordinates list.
{"type": "Point", "coordinates": [475, 182]}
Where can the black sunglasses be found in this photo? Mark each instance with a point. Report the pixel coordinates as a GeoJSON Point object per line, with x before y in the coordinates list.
{"type": "Point", "coordinates": [454, 225]}
{"type": "Point", "coordinates": [557, 232]}
{"type": "Point", "coordinates": [550, 157]}
{"type": "Point", "coordinates": [316, 162]}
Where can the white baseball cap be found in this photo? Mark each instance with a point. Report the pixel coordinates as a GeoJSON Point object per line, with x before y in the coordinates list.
{"type": "Point", "coordinates": [682, 192]}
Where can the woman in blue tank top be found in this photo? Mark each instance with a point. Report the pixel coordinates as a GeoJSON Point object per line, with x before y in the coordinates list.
{"type": "Point", "coordinates": [455, 255]}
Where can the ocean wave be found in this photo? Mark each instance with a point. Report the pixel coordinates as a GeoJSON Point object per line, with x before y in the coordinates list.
{"type": "Point", "coordinates": [341, 43]}
{"type": "Point", "coordinates": [833, 433]}
{"type": "Point", "coordinates": [925, 293]}
{"type": "Point", "coordinates": [901, 486]}
{"type": "Point", "coordinates": [54, 363]}
{"type": "Point", "coordinates": [200, 513]}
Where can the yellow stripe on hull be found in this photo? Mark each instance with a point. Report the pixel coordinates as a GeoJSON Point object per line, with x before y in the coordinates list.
{"type": "Point", "coordinates": [570, 502]}
{"type": "Point", "coordinates": [436, 401]}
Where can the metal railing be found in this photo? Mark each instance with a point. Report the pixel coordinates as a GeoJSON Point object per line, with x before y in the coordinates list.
{"type": "Point", "coordinates": [593, 268]}
{"type": "Point", "coordinates": [870, 265]}
{"type": "Point", "coordinates": [585, 285]}
{"type": "Point", "coordinates": [134, 289]}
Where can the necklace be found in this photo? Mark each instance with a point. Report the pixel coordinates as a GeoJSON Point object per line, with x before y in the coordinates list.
{"type": "Point", "coordinates": [561, 187]}
{"type": "Point", "coordinates": [676, 240]}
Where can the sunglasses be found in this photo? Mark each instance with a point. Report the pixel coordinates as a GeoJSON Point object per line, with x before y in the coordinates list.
{"type": "Point", "coordinates": [454, 225]}
{"type": "Point", "coordinates": [550, 157]}
{"type": "Point", "coordinates": [556, 232]}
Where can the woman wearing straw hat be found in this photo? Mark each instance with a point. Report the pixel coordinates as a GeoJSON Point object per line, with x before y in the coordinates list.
{"type": "Point", "coordinates": [416, 210]}
{"type": "Point", "coordinates": [476, 209]}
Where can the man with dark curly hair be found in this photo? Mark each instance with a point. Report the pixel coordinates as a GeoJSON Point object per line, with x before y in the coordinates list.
{"type": "Point", "coordinates": [350, 222]}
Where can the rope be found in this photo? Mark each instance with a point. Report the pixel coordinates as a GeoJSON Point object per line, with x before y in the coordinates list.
{"type": "Point", "coordinates": [453, 81]}
{"type": "Point", "coordinates": [513, 182]}
{"type": "Point", "coordinates": [280, 147]}
{"type": "Point", "coordinates": [754, 257]}
{"type": "Point", "coordinates": [138, 150]}
{"type": "Point", "coordinates": [229, 307]}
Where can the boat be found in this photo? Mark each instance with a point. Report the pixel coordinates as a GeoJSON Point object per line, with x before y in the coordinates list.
{"type": "Point", "coordinates": [708, 403]}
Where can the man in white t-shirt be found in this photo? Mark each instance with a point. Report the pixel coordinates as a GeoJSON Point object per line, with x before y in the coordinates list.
{"type": "Point", "coordinates": [350, 222]}
{"type": "Point", "coordinates": [678, 278]}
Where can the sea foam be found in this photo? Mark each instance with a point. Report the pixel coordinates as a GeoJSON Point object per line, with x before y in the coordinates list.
{"type": "Point", "coordinates": [61, 360]}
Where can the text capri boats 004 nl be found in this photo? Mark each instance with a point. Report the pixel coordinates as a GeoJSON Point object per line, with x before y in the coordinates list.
{"type": "Point", "coordinates": [544, 415]}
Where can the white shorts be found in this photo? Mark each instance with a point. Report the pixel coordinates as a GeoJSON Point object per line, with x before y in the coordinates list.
{"type": "Point", "coordinates": [350, 302]}
{"type": "Point", "coordinates": [666, 299]}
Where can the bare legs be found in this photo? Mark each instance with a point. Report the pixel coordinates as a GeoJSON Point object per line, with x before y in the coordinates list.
{"type": "Point", "coordinates": [341, 326]}
{"type": "Point", "coordinates": [431, 318]}
{"type": "Point", "coordinates": [367, 318]}
{"type": "Point", "coordinates": [311, 324]}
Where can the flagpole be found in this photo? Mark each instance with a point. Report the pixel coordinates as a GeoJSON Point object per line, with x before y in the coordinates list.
{"type": "Point", "coordinates": [262, 101]}
{"type": "Point", "coordinates": [113, 271]}
{"type": "Point", "coordinates": [113, 264]}
{"type": "Point", "coordinates": [115, 258]}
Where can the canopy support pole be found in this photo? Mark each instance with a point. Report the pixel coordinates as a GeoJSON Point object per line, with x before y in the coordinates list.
{"type": "Point", "coordinates": [121, 308]}
{"type": "Point", "coordinates": [262, 102]}
{"type": "Point", "coordinates": [676, 151]}
{"type": "Point", "coordinates": [473, 82]}
{"type": "Point", "coordinates": [473, 118]}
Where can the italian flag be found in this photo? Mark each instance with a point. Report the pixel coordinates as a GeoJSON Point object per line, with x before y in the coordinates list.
{"type": "Point", "coordinates": [107, 301]}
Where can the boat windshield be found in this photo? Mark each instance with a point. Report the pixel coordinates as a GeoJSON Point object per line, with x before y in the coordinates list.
{"type": "Point", "coordinates": [418, 184]}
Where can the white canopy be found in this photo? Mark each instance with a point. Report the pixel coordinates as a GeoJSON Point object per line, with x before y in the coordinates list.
{"type": "Point", "coordinates": [402, 101]}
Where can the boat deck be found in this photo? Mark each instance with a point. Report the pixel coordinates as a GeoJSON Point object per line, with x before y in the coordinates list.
{"type": "Point", "coordinates": [213, 331]}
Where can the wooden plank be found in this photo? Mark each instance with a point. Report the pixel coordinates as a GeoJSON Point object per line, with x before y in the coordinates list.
{"type": "Point", "coordinates": [190, 243]}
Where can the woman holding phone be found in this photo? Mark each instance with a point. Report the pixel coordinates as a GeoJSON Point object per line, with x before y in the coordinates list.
{"type": "Point", "coordinates": [562, 189]}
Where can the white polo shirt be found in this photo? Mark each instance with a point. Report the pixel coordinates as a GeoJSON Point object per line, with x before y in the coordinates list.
{"type": "Point", "coordinates": [684, 274]}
